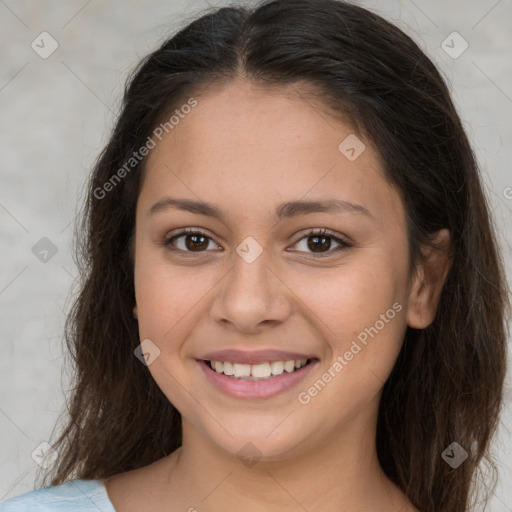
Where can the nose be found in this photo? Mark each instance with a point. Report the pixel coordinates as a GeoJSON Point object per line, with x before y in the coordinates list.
{"type": "Point", "coordinates": [252, 295]}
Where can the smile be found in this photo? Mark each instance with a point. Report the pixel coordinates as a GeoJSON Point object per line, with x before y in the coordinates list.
{"type": "Point", "coordinates": [262, 380]}
{"type": "Point", "coordinates": [262, 371]}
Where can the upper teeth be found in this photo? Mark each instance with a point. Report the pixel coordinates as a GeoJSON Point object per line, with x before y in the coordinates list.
{"type": "Point", "coordinates": [261, 370]}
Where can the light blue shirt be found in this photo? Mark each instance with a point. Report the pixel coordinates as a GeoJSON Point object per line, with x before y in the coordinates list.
{"type": "Point", "coordinates": [74, 495]}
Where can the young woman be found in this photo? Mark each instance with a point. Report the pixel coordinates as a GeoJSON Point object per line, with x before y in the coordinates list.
{"type": "Point", "coordinates": [292, 296]}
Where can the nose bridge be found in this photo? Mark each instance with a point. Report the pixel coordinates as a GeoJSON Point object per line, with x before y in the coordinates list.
{"type": "Point", "coordinates": [251, 293]}
{"type": "Point", "coordinates": [250, 268]}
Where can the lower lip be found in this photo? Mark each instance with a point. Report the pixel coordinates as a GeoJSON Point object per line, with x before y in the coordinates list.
{"type": "Point", "coordinates": [256, 388]}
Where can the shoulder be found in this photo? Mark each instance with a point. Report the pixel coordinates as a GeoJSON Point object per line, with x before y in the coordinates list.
{"type": "Point", "coordinates": [74, 495]}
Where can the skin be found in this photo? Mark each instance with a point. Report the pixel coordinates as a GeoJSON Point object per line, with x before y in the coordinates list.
{"type": "Point", "coordinates": [246, 150]}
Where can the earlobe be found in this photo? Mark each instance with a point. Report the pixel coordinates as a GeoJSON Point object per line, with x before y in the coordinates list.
{"type": "Point", "coordinates": [135, 313]}
{"type": "Point", "coordinates": [428, 281]}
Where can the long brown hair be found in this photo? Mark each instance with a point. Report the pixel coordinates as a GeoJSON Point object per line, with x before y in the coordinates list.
{"type": "Point", "coordinates": [447, 383]}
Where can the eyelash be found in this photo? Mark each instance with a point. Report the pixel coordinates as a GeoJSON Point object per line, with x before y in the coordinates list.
{"type": "Point", "coordinates": [343, 244]}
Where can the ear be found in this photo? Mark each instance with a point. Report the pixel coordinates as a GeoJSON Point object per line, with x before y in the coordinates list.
{"type": "Point", "coordinates": [135, 312]}
{"type": "Point", "coordinates": [428, 281]}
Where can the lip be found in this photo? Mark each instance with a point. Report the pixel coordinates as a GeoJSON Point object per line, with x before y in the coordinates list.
{"type": "Point", "coordinates": [256, 389]}
{"type": "Point", "coordinates": [254, 357]}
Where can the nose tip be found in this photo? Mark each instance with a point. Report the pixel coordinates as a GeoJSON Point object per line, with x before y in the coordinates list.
{"type": "Point", "coordinates": [251, 296]}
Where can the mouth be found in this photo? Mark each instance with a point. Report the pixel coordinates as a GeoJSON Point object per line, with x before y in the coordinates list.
{"type": "Point", "coordinates": [257, 372]}
{"type": "Point", "coordinates": [256, 381]}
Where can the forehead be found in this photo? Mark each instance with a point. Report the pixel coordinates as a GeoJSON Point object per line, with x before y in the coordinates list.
{"type": "Point", "coordinates": [241, 115]}
{"type": "Point", "coordinates": [242, 141]}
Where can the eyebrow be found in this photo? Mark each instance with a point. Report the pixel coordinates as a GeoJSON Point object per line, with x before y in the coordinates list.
{"type": "Point", "coordinates": [284, 210]}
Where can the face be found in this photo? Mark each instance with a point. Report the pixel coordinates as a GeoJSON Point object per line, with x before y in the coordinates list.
{"type": "Point", "coordinates": [261, 277]}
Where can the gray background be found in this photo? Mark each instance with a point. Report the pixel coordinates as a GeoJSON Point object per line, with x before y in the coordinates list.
{"type": "Point", "coordinates": [56, 114]}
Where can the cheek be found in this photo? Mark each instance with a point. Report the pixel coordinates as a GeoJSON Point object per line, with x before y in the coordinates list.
{"type": "Point", "coordinates": [359, 309]}
{"type": "Point", "coordinates": [168, 304]}
{"type": "Point", "coordinates": [170, 298]}
{"type": "Point", "coordinates": [361, 317]}
{"type": "Point", "coordinates": [352, 296]}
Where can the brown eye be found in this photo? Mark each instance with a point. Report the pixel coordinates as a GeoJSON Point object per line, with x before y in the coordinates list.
{"type": "Point", "coordinates": [193, 242]}
{"type": "Point", "coordinates": [319, 242]}
{"type": "Point", "coordinates": [189, 241]}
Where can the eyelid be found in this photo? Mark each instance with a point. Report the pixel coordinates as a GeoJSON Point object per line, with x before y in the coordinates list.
{"type": "Point", "coordinates": [323, 232]}
{"type": "Point", "coordinates": [342, 241]}
{"type": "Point", "coordinates": [187, 231]}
